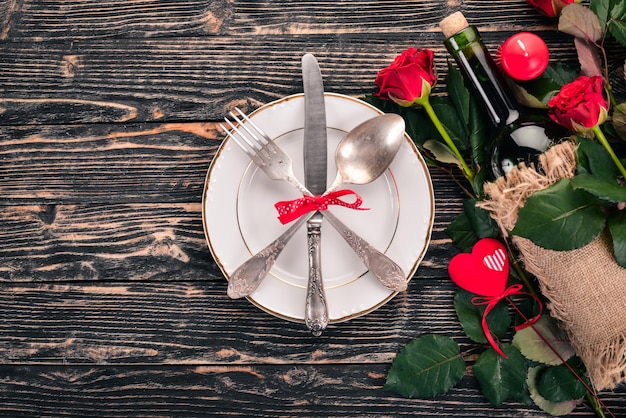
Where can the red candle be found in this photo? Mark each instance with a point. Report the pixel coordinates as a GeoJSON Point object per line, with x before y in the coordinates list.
{"type": "Point", "coordinates": [523, 56]}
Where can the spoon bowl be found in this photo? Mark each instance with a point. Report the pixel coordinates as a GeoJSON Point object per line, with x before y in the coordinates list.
{"type": "Point", "coordinates": [368, 150]}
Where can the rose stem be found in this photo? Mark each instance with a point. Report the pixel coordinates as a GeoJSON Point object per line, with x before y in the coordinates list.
{"type": "Point", "coordinates": [602, 139]}
{"type": "Point", "coordinates": [469, 175]}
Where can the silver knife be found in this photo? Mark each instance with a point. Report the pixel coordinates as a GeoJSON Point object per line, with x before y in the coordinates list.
{"type": "Point", "coordinates": [315, 161]}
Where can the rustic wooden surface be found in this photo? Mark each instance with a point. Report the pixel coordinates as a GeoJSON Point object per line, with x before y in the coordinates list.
{"type": "Point", "coordinates": [111, 303]}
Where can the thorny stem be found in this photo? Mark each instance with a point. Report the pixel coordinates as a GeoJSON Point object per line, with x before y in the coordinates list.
{"type": "Point", "coordinates": [597, 403]}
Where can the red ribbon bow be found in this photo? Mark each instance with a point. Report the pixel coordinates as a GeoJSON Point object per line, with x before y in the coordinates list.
{"type": "Point", "coordinates": [289, 210]}
{"type": "Point", "coordinates": [492, 301]}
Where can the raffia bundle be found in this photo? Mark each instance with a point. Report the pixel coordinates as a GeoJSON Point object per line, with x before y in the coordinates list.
{"type": "Point", "coordinates": [586, 288]}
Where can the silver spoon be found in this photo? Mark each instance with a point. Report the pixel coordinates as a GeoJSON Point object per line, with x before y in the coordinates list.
{"type": "Point", "coordinates": [368, 150]}
{"type": "Point", "coordinates": [361, 157]}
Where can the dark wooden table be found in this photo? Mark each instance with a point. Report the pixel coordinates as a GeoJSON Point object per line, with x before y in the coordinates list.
{"type": "Point", "coordinates": [111, 303]}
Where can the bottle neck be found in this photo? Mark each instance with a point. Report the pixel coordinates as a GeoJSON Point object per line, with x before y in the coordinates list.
{"type": "Point", "coordinates": [481, 72]}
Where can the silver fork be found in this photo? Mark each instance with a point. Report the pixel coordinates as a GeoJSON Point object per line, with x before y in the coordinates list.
{"type": "Point", "coordinates": [268, 156]}
{"type": "Point", "coordinates": [277, 165]}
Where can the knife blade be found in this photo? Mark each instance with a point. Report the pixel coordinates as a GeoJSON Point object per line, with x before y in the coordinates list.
{"type": "Point", "coordinates": [315, 162]}
{"type": "Point", "coordinates": [315, 148]}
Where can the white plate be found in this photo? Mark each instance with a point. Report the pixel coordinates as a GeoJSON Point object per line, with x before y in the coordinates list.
{"type": "Point", "coordinates": [240, 218]}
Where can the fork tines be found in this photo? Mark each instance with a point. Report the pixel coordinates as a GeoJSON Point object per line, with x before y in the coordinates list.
{"type": "Point", "coordinates": [259, 138]}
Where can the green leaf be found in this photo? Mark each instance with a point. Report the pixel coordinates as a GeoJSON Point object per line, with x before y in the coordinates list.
{"type": "Point", "coordinates": [579, 21]}
{"type": "Point", "coordinates": [616, 23]}
{"type": "Point", "coordinates": [471, 225]}
{"type": "Point", "coordinates": [501, 378]}
{"type": "Point", "coordinates": [548, 84]}
{"type": "Point", "coordinates": [470, 316]}
{"type": "Point", "coordinates": [415, 124]}
{"type": "Point", "coordinates": [617, 227]}
{"type": "Point", "coordinates": [451, 121]}
{"type": "Point", "coordinates": [535, 348]}
{"type": "Point", "coordinates": [462, 233]}
{"type": "Point", "coordinates": [470, 114]}
{"type": "Point", "coordinates": [556, 409]}
{"type": "Point", "coordinates": [560, 218]}
{"type": "Point", "coordinates": [559, 74]}
{"type": "Point", "coordinates": [418, 125]}
{"type": "Point", "coordinates": [479, 132]}
{"type": "Point", "coordinates": [482, 223]}
{"type": "Point", "coordinates": [480, 177]}
{"type": "Point", "coordinates": [459, 95]}
{"type": "Point", "coordinates": [525, 98]}
{"type": "Point", "coordinates": [601, 9]}
{"type": "Point", "coordinates": [558, 383]}
{"type": "Point", "coordinates": [441, 152]}
{"type": "Point", "coordinates": [619, 120]}
{"type": "Point", "coordinates": [606, 190]}
{"type": "Point", "coordinates": [428, 366]}
{"type": "Point", "coordinates": [593, 158]}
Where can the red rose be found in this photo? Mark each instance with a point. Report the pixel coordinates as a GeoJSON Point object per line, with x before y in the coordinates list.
{"type": "Point", "coordinates": [580, 105]}
{"type": "Point", "coordinates": [409, 78]}
{"type": "Point", "coordinates": [550, 8]}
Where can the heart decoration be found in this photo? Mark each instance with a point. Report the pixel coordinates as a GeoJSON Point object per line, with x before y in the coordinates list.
{"type": "Point", "coordinates": [484, 271]}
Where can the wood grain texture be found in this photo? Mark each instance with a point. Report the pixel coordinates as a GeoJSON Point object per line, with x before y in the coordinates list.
{"type": "Point", "coordinates": [35, 21]}
{"type": "Point", "coordinates": [31, 20]}
{"type": "Point", "coordinates": [129, 344]}
{"type": "Point", "coordinates": [103, 242]}
{"type": "Point", "coordinates": [260, 391]}
{"type": "Point", "coordinates": [192, 323]}
{"type": "Point", "coordinates": [195, 79]}
{"type": "Point", "coordinates": [106, 164]}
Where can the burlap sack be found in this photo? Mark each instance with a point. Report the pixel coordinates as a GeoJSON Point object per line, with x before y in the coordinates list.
{"type": "Point", "coordinates": [586, 288]}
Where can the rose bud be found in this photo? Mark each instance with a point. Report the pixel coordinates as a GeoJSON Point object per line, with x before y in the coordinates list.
{"type": "Point", "coordinates": [409, 79]}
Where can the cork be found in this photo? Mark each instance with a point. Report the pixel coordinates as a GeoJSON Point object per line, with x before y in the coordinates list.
{"type": "Point", "coordinates": [452, 24]}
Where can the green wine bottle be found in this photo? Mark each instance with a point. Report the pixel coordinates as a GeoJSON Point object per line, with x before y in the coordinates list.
{"type": "Point", "coordinates": [518, 137]}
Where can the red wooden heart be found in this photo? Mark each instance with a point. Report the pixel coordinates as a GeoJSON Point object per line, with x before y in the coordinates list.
{"type": "Point", "coordinates": [485, 271]}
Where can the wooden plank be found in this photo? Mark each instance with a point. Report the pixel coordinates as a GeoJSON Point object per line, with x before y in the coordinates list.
{"type": "Point", "coordinates": [192, 323]}
{"type": "Point", "coordinates": [104, 242]}
{"type": "Point", "coordinates": [30, 20]}
{"type": "Point", "coordinates": [106, 164]}
{"type": "Point", "coordinates": [412, 17]}
{"type": "Point", "coordinates": [259, 391]}
{"type": "Point", "coordinates": [195, 79]}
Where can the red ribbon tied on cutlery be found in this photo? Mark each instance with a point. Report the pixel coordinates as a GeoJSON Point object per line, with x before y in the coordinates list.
{"type": "Point", "coordinates": [485, 272]}
{"type": "Point", "coordinates": [289, 210]}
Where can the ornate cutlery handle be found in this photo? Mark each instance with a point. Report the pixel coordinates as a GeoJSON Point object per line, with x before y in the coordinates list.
{"type": "Point", "coordinates": [316, 311]}
{"type": "Point", "coordinates": [388, 273]}
{"type": "Point", "coordinates": [249, 275]}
